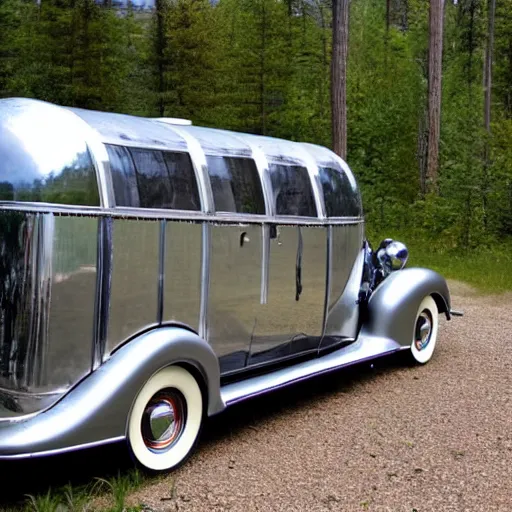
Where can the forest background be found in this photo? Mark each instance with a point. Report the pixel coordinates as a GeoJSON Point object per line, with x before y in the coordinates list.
{"type": "Point", "coordinates": [264, 66]}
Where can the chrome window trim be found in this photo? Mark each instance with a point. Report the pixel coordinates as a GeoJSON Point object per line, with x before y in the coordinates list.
{"type": "Point", "coordinates": [314, 176]}
{"type": "Point", "coordinates": [100, 160]}
{"type": "Point", "coordinates": [205, 281]}
{"type": "Point", "coordinates": [262, 165]}
{"type": "Point", "coordinates": [184, 215]}
{"type": "Point", "coordinates": [198, 158]}
{"type": "Point", "coordinates": [328, 279]}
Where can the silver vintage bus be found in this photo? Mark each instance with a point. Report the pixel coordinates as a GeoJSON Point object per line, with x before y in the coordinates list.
{"type": "Point", "coordinates": [153, 273]}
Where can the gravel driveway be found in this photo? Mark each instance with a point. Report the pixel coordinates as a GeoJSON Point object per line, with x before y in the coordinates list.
{"type": "Point", "coordinates": [391, 438]}
{"type": "Point", "coordinates": [388, 438]}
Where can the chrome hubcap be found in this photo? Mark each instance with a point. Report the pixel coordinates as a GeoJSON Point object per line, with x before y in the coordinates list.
{"type": "Point", "coordinates": [163, 420]}
{"type": "Point", "coordinates": [423, 330]}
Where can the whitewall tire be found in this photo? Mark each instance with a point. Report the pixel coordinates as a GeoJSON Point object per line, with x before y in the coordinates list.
{"type": "Point", "coordinates": [425, 331]}
{"type": "Point", "coordinates": [165, 420]}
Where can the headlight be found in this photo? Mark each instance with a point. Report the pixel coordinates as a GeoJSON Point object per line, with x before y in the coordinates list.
{"type": "Point", "coordinates": [392, 255]}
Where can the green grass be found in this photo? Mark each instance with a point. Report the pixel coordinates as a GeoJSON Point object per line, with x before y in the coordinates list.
{"type": "Point", "coordinates": [487, 269]}
{"type": "Point", "coordinates": [113, 492]}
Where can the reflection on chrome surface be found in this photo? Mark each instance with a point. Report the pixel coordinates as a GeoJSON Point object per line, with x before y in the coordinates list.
{"type": "Point", "coordinates": [235, 291]}
{"type": "Point", "coordinates": [292, 319]}
{"type": "Point", "coordinates": [134, 284]}
{"type": "Point", "coordinates": [345, 282]}
{"type": "Point", "coordinates": [47, 303]}
{"type": "Point", "coordinates": [44, 157]}
{"type": "Point", "coordinates": [182, 273]}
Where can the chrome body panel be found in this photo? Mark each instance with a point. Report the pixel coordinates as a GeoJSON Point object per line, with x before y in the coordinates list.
{"type": "Point", "coordinates": [346, 268]}
{"type": "Point", "coordinates": [73, 292]}
{"type": "Point", "coordinates": [234, 310]}
{"type": "Point", "coordinates": [182, 274]}
{"type": "Point", "coordinates": [96, 411]}
{"type": "Point", "coordinates": [364, 349]}
{"type": "Point", "coordinates": [125, 130]}
{"type": "Point", "coordinates": [95, 298]}
{"type": "Point", "coordinates": [45, 147]}
{"type": "Point", "coordinates": [134, 282]}
{"type": "Point", "coordinates": [292, 319]}
{"type": "Point", "coordinates": [46, 341]}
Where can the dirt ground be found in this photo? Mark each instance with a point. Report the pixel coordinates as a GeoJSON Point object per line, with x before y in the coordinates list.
{"type": "Point", "coordinates": [383, 438]}
{"type": "Point", "coordinates": [387, 438]}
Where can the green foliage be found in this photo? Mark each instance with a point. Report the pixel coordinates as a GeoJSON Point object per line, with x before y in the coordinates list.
{"type": "Point", "coordinates": [70, 498]}
{"type": "Point", "coordinates": [263, 66]}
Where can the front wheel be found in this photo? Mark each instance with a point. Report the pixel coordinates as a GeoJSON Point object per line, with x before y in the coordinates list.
{"type": "Point", "coordinates": [425, 331]}
{"type": "Point", "coordinates": [165, 420]}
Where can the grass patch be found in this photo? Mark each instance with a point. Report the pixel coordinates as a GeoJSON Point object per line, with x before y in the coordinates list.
{"type": "Point", "coordinates": [106, 495]}
{"type": "Point", "coordinates": [487, 269]}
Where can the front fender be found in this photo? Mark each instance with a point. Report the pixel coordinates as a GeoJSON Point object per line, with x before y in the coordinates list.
{"type": "Point", "coordinates": [96, 410]}
{"type": "Point", "coordinates": [392, 307]}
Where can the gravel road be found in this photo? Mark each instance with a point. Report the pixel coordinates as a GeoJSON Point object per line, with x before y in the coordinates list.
{"type": "Point", "coordinates": [388, 438]}
{"type": "Point", "coordinates": [391, 438]}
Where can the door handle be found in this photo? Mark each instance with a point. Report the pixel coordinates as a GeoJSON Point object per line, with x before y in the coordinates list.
{"type": "Point", "coordinates": [275, 234]}
{"type": "Point", "coordinates": [244, 239]}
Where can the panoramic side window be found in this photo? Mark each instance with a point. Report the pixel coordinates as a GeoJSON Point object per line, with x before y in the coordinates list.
{"type": "Point", "coordinates": [183, 180]}
{"type": "Point", "coordinates": [57, 181]}
{"type": "Point", "coordinates": [123, 176]}
{"type": "Point", "coordinates": [153, 179]}
{"type": "Point", "coordinates": [236, 185]}
{"type": "Point", "coordinates": [155, 189]}
{"type": "Point", "coordinates": [293, 194]}
{"type": "Point", "coordinates": [341, 200]}
{"type": "Point", "coordinates": [38, 164]}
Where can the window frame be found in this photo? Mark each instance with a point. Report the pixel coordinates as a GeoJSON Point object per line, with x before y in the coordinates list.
{"type": "Point", "coordinates": [356, 196]}
{"type": "Point", "coordinates": [127, 148]}
{"type": "Point", "coordinates": [261, 179]}
{"type": "Point", "coordinates": [315, 192]}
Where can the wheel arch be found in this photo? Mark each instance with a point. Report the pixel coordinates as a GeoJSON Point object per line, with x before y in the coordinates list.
{"type": "Point", "coordinates": [96, 410]}
{"type": "Point", "coordinates": [392, 308]}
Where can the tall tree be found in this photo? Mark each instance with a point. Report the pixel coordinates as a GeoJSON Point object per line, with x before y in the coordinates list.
{"type": "Point", "coordinates": [160, 47]}
{"type": "Point", "coordinates": [436, 13]}
{"type": "Point", "coordinates": [339, 76]}
{"type": "Point", "coordinates": [491, 5]}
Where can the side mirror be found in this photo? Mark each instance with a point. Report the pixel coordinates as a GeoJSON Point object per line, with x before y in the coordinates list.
{"type": "Point", "coordinates": [392, 255]}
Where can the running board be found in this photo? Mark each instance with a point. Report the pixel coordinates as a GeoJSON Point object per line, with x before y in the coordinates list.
{"type": "Point", "coordinates": [364, 349]}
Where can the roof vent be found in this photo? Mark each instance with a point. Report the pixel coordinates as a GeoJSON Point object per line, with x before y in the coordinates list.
{"type": "Point", "coordinates": [173, 120]}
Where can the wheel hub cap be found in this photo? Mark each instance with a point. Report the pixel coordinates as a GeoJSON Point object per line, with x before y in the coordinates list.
{"type": "Point", "coordinates": [423, 330]}
{"type": "Point", "coordinates": [162, 421]}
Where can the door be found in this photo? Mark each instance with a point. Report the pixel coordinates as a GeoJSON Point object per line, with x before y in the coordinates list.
{"type": "Point", "coordinates": [235, 259]}
{"type": "Point", "coordinates": [235, 289]}
{"type": "Point", "coordinates": [293, 318]}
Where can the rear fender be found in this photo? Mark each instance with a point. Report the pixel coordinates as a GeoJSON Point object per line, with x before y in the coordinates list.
{"type": "Point", "coordinates": [96, 410]}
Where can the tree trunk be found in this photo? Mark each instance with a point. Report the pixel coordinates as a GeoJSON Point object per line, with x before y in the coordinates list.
{"type": "Point", "coordinates": [488, 65]}
{"type": "Point", "coordinates": [325, 60]}
{"type": "Point", "coordinates": [263, 49]}
{"type": "Point", "coordinates": [388, 16]}
{"type": "Point", "coordinates": [160, 53]}
{"type": "Point", "coordinates": [434, 92]}
{"type": "Point", "coordinates": [487, 101]}
{"type": "Point", "coordinates": [339, 76]}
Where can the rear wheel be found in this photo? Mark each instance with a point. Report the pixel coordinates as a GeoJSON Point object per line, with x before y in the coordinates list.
{"type": "Point", "coordinates": [425, 331]}
{"type": "Point", "coordinates": [166, 419]}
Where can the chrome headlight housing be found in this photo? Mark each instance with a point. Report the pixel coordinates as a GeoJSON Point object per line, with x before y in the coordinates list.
{"type": "Point", "coordinates": [392, 255]}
